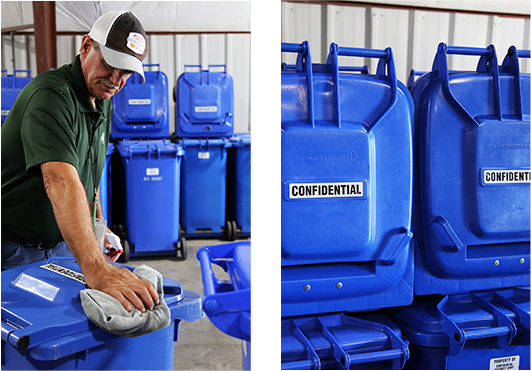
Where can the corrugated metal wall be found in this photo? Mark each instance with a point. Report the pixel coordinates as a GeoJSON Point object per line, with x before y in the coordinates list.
{"type": "Point", "coordinates": [172, 52]}
{"type": "Point", "coordinates": [413, 34]}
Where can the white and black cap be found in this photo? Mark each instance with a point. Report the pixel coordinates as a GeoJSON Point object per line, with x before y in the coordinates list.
{"type": "Point", "coordinates": [122, 39]}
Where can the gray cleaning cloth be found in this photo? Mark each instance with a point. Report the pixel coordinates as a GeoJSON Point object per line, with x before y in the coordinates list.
{"type": "Point", "coordinates": [109, 314]}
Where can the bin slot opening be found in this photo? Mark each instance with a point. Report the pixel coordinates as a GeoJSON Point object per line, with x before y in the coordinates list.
{"type": "Point", "coordinates": [518, 249]}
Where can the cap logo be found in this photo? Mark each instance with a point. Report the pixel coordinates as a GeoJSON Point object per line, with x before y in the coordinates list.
{"type": "Point", "coordinates": [136, 43]}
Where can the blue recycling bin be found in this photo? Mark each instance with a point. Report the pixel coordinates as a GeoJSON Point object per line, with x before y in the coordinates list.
{"type": "Point", "coordinates": [203, 187]}
{"type": "Point", "coordinates": [11, 87]}
{"type": "Point", "coordinates": [239, 185]}
{"type": "Point", "coordinates": [472, 213]}
{"type": "Point", "coordinates": [228, 302]}
{"type": "Point", "coordinates": [347, 175]}
{"type": "Point", "coordinates": [106, 186]}
{"type": "Point", "coordinates": [205, 102]}
{"type": "Point", "coordinates": [340, 341]}
{"type": "Point", "coordinates": [44, 326]}
{"type": "Point", "coordinates": [487, 330]}
{"type": "Point", "coordinates": [152, 183]}
{"type": "Point", "coordinates": [141, 110]}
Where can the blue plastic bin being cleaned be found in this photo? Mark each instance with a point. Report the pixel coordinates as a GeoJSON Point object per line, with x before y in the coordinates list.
{"type": "Point", "coordinates": [11, 87]}
{"type": "Point", "coordinates": [203, 187]}
{"type": "Point", "coordinates": [152, 183]}
{"type": "Point", "coordinates": [205, 103]}
{"type": "Point", "coordinates": [472, 205]}
{"type": "Point", "coordinates": [141, 110]}
{"type": "Point", "coordinates": [239, 186]}
{"type": "Point", "coordinates": [44, 326]}
{"type": "Point", "coordinates": [342, 342]}
{"type": "Point", "coordinates": [106, 186]}
{"type": "Point", "coordinates": [347, 176]}
{"type": "Point", "coordinates": [227, 303]}
{"type": "Point", "coordinates": [479, 331]}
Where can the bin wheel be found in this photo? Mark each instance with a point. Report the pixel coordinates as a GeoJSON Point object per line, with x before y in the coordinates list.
{"type": "Point", "coordinates": [183, 249]}
{"type": "Point", "coordinates": [228, 230]}
{"type": "Point", "coordinates": [234, 230]}
{"type": "Point", "coordinates": [127, 250]}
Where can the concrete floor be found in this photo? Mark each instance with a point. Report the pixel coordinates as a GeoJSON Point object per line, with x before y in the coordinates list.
{"type": "Point", "coordinates": [201, 345]}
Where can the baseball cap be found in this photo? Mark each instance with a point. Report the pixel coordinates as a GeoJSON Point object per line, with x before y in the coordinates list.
{"type": "Point", "coordinates": [122, 39]}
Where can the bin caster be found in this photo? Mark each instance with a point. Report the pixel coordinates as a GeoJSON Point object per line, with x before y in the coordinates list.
{"type": "Point", "coordinates": [231, 229]}
{"type": "Point", "coordinates": [127, 249]}
{"type": "Point", "coordinates": [183, 249]}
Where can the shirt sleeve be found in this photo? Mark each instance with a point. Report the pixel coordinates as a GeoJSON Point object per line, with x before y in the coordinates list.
{"type": "Point", "coordinates": [48, 130]}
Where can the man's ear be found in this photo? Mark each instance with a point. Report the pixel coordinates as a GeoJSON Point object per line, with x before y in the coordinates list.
{"type": "Point", "coordinates": [86, 44]}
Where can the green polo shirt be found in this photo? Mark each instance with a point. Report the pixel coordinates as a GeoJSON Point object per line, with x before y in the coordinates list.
{"type": "Point", "coordinates": [51, 120]}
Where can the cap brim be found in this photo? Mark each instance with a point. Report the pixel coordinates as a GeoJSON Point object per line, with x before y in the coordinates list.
{"type": "Point", "coordinates": [122, 61]}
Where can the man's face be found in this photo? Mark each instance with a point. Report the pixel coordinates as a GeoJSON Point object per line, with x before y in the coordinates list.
{"type": "Point", "coordinates": [103, 81]}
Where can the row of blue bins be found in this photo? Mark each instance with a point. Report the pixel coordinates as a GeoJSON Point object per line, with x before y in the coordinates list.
{"type": "Point", "coordinates": [11, 87]}
{"type": "Point", "coordinates": [156, 193]}
{"type": "Point", "coordinates": [405, 213]}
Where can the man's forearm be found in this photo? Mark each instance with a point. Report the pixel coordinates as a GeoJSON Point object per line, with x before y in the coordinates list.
{"type": "Point", "coordinates": [72, 213]}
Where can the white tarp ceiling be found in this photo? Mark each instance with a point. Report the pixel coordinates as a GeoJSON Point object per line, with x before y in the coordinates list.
{"type": "Point", "coordinates": [156, 16]}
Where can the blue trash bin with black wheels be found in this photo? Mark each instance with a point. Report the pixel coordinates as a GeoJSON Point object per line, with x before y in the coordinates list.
{"type": "Point", "coordinates": [347, 175]}
{"type": "Point", "coordinates": [12, 85]}
{"type": "Point", "coordinates": [485, 330]}
{"type": "Point", "coordinates": [44, 326]}
{"type": "Point", "coordinates": [203, 187]}
{"type": "Point", "coordinates": [227, 303]}
{"type": "Point", "coordinates": [204, 102]}
{"type": "Point", "coordinates": [239, 184]}
{"type": "Point", "coordinates": [152, 171]}
{"type": "Point", "coordinates": [472, 137]}
{"type": "Point", "coordinates": [141, 109]}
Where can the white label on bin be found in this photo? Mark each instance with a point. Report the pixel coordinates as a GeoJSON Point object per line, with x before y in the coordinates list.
{"type": "Point", "coordinates": [505, 363]}
{"type": "Point", "coordinates": [325, 190]}
{"type": "Point", "coordinates": [152, 171]}
{"type": "Point", "coordinates": [65, 272]}
{"type": "Point", "coordinates": [139, 102]}
{"type": "Point", "coordinates": [206, 109]}
{"type": "Point", "coordinates": [506, 176]}
{"type": "Point", "coordinates": [203, 155]}
{"type": "Point", "coordinates": [5, 112]}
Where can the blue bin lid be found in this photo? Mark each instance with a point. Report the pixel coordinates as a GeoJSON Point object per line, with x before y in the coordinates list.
{"type": "Point", "coordinates": [186, 142]}
{"type": "Point", "coordinates": [42, 311]}
{"type": "Point", "coordinates": [110, 149]}
{"type": "Point", "coordinates": [241, 139]}
{"type": "Point", "coordinates": [433, 322]}
{"type": "Point", "coordinates": [129, 148]}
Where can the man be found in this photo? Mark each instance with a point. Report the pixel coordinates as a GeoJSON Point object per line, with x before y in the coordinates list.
{"type": "Point", "coordinates": [54, 144]}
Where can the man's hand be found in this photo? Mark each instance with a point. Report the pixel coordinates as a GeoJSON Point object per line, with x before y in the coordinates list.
{"type": "Point", "coordinates": [123, 285]}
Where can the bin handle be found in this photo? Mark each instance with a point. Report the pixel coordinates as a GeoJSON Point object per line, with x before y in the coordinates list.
{"type": "Point", "coordinates": [303, 64]}
{"type": "Point", "coordinates": [505, 330]}
{"type": "Point", "coordinates": [220, 296]}
{"type": "Point", "coordinates": [386, 67]}
{"type": "Point", "coordinates": [313, 362]}
{"type": "Point", "coordinates": [488, 62]}
{"type": "Point", "coordinates": [511, 65]}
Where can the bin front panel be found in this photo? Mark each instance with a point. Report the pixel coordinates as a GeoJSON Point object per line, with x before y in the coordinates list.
{"type": "Point", "coordinates": [203, 188]}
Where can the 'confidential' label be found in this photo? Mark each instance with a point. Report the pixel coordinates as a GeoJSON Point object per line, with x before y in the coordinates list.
{"type": "Point", "coordinates": [325, 190]}
{"type": "Point", "coordinates": [506, 176]}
